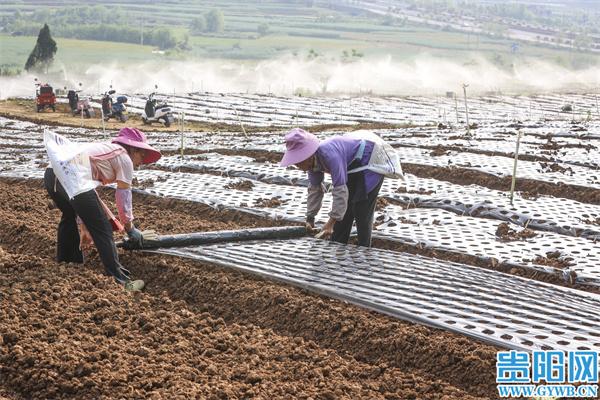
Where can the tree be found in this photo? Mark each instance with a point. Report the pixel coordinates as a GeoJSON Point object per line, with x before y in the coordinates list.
{"type": "Point", "coordinates": [44, 50]}
{"type": "Point", "coordinates": [215, 21]}
{"type": "Point", "coordinates": [262, 29]}
{"type": "Point", "coordinates": [163, 38]}
{"type": "Point", "coordinates": [198, 24]}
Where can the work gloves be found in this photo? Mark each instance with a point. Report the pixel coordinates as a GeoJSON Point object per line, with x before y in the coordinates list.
{"type": "Point", "coordinates": [136, 237]}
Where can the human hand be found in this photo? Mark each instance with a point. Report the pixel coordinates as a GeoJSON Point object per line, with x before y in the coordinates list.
{"type": "Point", "coordinates": [85, 239]}
{"type": "Point", "coordinates": [327, 230]}
{"type": "Point", "coordinates": [136, 237]}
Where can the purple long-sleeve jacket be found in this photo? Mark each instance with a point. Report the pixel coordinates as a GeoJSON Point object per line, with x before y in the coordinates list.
{"type": "Point", "coordinates": [333, 156]}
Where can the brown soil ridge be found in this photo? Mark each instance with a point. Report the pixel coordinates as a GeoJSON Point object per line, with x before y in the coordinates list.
{"type": "Point", "coordinates": [464, 176]}
{"type": "Point", "coordinates": [442, 150]}
{"type": "Point", "coordinates": [362, 343]}
{"type": "Point", "coordinates": [24, 110]}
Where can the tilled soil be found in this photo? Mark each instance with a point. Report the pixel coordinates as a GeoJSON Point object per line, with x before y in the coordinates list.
{"type": "Point", "coordinates": [465, 176]}
{"type": "Point", "coordinates": [505, 233]}
{"type": "Point", "coordinates": [554, 259]}
{"type": "Point", "coordinates": [269, 203]}
{"type": "Point", "coordinates": [244, 185]}
{"type": "Point", "coordinates": [67, 331]}
{"type": "Point", "coordinates": [24, 110]}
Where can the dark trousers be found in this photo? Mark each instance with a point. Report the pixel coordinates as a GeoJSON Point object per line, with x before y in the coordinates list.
{"type": "Point", "coordinates": [87, 206]}
{"type": "Point", "coordinates": [361, 207]}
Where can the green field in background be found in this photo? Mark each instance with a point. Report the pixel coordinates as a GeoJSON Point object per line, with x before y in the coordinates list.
{"type": "Point", "coordinates": [15, 50]}
{"type": "Point", "coordinates": [293, 29]}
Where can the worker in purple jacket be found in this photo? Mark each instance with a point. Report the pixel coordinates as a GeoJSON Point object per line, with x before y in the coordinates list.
{"type": "Point", "coordinates": [354, 193]}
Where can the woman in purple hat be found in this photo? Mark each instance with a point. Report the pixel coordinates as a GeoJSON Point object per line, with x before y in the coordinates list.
{"type": "Point", "coordinates": [354, 193]}
{"type": "Point", "coordinates": [80, 204]}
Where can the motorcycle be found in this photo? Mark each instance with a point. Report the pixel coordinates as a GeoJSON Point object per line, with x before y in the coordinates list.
{"type": "Point", "coordinates": [73, 99]}
{"type": "Point", "coordinates": [155, 112]}
{"type": "Point", "coordinates": [114, 110]}
{"type": "Point", "coordinates": [78, 105]}
{"type": "Point", "coordinates": [107, 103]}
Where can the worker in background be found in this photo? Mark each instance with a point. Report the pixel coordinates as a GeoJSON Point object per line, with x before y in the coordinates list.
{"type": "Point", "coordinates": [76, 170]}
{"type": "Point", "coordinates": [355, 187]}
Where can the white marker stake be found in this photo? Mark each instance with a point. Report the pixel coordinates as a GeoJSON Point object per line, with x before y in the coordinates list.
{"type": "Point", "coordinates": [181, 122]}
{"type": "Point", "coordinates": [240, 120]}
{"type": "Point", "coordinates": [514, 175]}
{"type": "Point", "coordinates": [456, 109]}
{"type": "Point", "coordinates": [466, 107]}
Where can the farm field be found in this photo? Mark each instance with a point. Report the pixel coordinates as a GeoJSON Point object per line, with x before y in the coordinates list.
{"type": "Point", "coordinates": [457, 272]}
{"type": "Point", "coordinates": [322, 30]}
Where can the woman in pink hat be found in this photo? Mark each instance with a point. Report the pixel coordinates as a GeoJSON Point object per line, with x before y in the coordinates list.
{"type": "Point", "coordinates": [354, 193]}
{"type": "Point", "coordinates": [110, 163]}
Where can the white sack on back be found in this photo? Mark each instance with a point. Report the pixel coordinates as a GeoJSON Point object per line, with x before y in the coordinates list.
{"type": "Point", "coordinates": [384, 160]}
{"type": "Point", "coordinates": [70, 162]}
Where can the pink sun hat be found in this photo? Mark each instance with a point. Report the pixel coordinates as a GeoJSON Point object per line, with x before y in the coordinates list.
{"type": "Point", "coordinates": [135, 138]}
{"type": "Point", "coordinates": [299, 146]}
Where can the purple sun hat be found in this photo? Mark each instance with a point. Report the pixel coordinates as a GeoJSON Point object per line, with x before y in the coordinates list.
{"type": "Point", "coordinates": [299, 146]}
{"type": "Point", "coordinates": [135, 138]}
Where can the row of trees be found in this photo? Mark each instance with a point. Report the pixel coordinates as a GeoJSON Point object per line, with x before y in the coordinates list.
{"type": "Point", "coordinates": [162, 38]}
{"type": "Point", "coordinates": [90, 23]}
{"type": "Point", "coordinates": [212, 22]}
{"type": "Point", "coordinates": [78, 15]}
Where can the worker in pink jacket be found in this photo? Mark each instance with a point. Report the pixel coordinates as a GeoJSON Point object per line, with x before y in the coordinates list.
{"type": "Point", "coordinates": [109, 163]}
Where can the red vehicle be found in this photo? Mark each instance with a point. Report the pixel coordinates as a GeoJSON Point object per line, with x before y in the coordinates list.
{"type": "Point", "coordinates": [45, 97]}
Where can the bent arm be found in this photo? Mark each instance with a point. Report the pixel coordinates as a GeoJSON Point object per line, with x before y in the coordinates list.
{"type": "Point", "coordinates": [123, 198]}
{"type": "Point", "coordinates": [314, 202]}
{"type": "Point", "coordinates": [340, 202]}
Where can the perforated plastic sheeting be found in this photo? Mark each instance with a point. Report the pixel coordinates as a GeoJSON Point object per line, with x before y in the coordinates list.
{"type": "Point", "coordinates": [288, 111]}
{"type": "Point", "coordinates": [564, 212]}
{"type": "Point", "coordinates": [217, 191]}
{"type": "Point", "coordinates": [238, 166]}
{"type": "Point", "coordinates": [486, 209]}
{"type": "Point", "coordinates": [267, 141]}
{"type": "Point", "coordinates": [496, 308]}
{"type": "Point", "coordinates": [441, 230]}
{"type": "Point", "coordinates": [568, 151]}
{"type": "Point", "coordinates": [555, 215]}
{"type": "Point", "coordinates": [580, 148]}
{"type": "Point", "coordinates": [502, 166]}
{"type": "Point", "coordinates": [484, 203]}
{"type": "Point", "coordinates": [264, 110]}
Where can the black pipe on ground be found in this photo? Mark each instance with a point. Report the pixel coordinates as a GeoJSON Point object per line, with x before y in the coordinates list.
{"type": "Point", "coordinates": [201, 238]}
